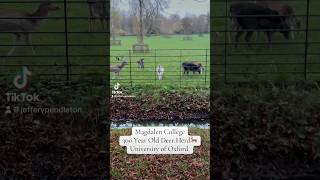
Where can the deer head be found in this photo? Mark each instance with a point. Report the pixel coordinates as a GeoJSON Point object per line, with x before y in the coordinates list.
{"type": "Point", "coordinates": [47, 4]}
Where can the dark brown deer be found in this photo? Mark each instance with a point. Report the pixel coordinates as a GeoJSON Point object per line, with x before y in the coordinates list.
{"type": "Point", "coordinates": [286, 11]}
{"type": "Point", "coordinates": [192, 66]}
{"type": "Point", "coordinates": [251, 17]}
{"type": "Point", "coordinates": [141, 63]}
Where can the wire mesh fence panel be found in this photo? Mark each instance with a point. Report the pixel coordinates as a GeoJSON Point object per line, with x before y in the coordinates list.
{"type": "Point", "coordinates": [64, 47]}
{"type": "Point", "coordinates": [240, 60]}
{"type": "Point", "coordinates": [168, 61]}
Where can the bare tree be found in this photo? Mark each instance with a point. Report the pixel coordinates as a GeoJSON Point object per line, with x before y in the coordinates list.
{"type": "Point", "coordinates": [187, 25]}
{"type": "Point", "coordinates": [152, 13]}
{"type": "Point", "coordinates": [166, 27]}
{"type": "Point", "coordinates": [149, 20]}
{"type": "Point", "coordinates": [115, 22]}
{"type": "Point", "coordinates": [98, 10]}
{"type": "Point", "coordinates": [147, 10]}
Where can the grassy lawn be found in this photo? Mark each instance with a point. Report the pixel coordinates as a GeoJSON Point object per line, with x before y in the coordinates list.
{"type": "Point", "coordinates": [168, 52]}
{"type": "Point", "coordinates": [284, 60]}
{"type": "Point", "coordinates": [195, 166]}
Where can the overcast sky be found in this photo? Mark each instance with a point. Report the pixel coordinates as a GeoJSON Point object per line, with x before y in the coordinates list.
{"type": "Point", "coordinates": [181, 7]}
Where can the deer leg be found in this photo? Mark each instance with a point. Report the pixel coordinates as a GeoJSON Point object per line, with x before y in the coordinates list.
{"type": "Point", "coordinates": [29, 42]}
{"type": "Point", "coordinates": [248, 37]}
{"type": "Point", "coordinates": [238, 35]}
{"type": "Point", "coordinates": [90, 17]}
{"type": "Point", "coordinates": [89, 24]}
{"type": "Point", "coordinates": [106, 24]}
{"type": "Point", "coordinates": [258, 35]}
{"type": "Point", "coordinates": [268, 33]}
{"type": "Point", "coordinates": [94, 22]}
{"type": "Point", "coordinates": [229, 32]}
{"type": "Point", "coordinates": [102, 24]}
{"type": "Point", "coordinates": [234, 27]}
{"type": "Point", "coordinates": [14, 44]}
{"type": "Point", "coordinates": [292, 31]}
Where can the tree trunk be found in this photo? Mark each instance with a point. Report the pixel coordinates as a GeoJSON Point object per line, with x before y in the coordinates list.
{"type": "Point", "coordinates": [141, 34]}
{"type": "Point", "coordinates": [113, 34]}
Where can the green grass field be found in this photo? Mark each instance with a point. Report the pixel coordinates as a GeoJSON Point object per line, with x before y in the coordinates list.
{"type": "Point", "coordinates": [168, 52]}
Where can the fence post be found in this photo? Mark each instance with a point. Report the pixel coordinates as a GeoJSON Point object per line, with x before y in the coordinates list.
{"type": "Point", "coordinates": [306, 47]}
{"type": "Point", "coordinates": [225, 40]}
{"type": "Point", "coordinates": [70, 70]}
{"type": "Point", "coordinates": [205, 73]}
{"type": "Point", "coordinates": [155, 67]}
{"type": "Point", "coordinates": [66, 39]}
{"type": "Point", "coordinates": [130, 68]}
{"type": "Point", "coordinates": [180, 68]}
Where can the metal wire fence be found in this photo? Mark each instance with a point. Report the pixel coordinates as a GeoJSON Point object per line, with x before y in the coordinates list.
{"type": "Point", "coordinates": [171, 61]}
{"type": "Point", "coordinates": [66, 49]}
{"type": "Point", "coordinates": [296, 58]}
{"type": "Point", "coordinates": [64, 46]}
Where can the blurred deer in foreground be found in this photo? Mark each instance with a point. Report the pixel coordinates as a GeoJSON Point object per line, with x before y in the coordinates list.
{"type": "Point", "coordinates": [97, 10]}
{"type": "Point", "coordinates": [22, 24]}
{"type": "Point", "coordinates": [285, 10]}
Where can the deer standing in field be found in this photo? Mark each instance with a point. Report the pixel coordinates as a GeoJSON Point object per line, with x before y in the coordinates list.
{"type": "Point", "coordinates": [116, 69]}
{"type": "Point", "coordinates": [140, 63]}
{"type": "Point", "coordinates": [192, 66]}
{"type": "Point", "coordinates": [98, 10]}
{"type": "Point", "coordinates": [22, 24]}
{"type": "Point", "coordinates": [160, 71]}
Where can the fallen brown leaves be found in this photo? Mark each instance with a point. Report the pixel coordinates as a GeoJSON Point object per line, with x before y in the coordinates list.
{"type": "Point", "coordinates": [49, 150]}
{"type": "Point", "coordinates": [266, 131]}
{"type": "Point", "coordinates": [53, 146]}
{"type": "Point", "coordinates": [171, 106]}
{"type": "Point", "coordinates": [195, 166]}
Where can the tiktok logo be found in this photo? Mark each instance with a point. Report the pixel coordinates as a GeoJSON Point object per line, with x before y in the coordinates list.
{"type": "Point", "coordinates": [116, 86]}
{"type": "Point", "coordinates": [21, 80]}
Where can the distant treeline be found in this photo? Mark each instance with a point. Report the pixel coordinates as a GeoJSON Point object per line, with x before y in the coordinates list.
{"type": "Point", "coordinates": [124, 23]}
